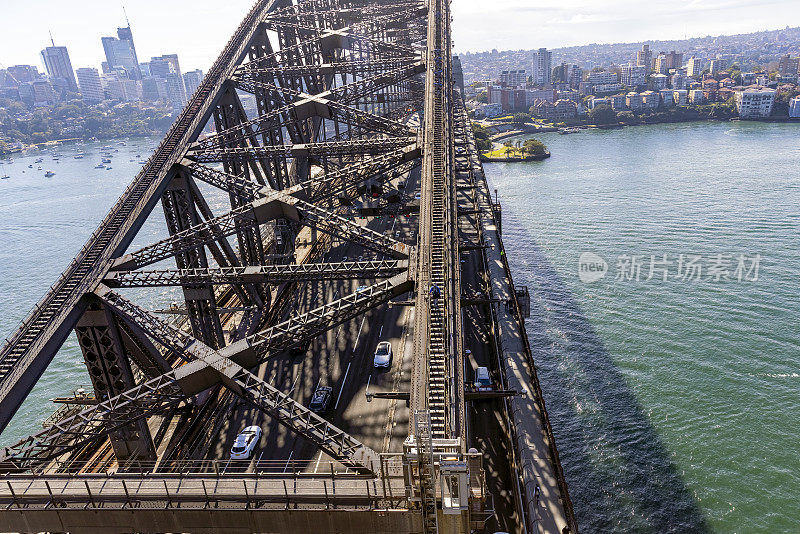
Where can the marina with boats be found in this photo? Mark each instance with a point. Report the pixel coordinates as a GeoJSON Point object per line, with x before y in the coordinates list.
{"type": "Point", "coordinates": [76, 156]}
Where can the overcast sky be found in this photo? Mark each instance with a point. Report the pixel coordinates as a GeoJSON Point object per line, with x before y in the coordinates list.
{"type": "Point", "coordinates": [198, 29]}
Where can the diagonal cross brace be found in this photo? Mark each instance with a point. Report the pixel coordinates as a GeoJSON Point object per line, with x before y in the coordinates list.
{"type": "Point", "coordinates": [297, 330]}
{"type": "Point", "coordinates": [331, 104]}
{"type": "Point", "coordinates": [321, 186]}
{"type": "Point", "coordinates": [276, 205]}
{"type": "Point", "coordinates": [206, 368]}
{"type": "Point", "coordinates": [95, 422]}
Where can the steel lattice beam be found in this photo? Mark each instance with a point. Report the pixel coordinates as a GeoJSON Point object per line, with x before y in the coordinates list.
{"type": "Point", "coordinates": [153, 396]}
{"type": "Point", "coordinates": [266, 274]}
{"type": "Point", "coordinates": [344, 94]}
{"type": "Point", "coordinates": [355, 147]}
{"type": "Point", "coordinates": [360, 68]}
{"type": "Point", "coordinates": [324, 105]}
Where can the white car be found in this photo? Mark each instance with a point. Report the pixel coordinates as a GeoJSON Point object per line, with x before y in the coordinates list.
{"type": "Point", "coordinates": [418, 196]}
{"type": "Point", "coordinates": [246, 443]}
{"type": "Point", "coordinates": [383, 355]}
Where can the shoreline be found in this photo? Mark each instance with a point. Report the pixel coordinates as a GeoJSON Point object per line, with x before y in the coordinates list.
{"type": "Point", "coordinates": [73, 140]}
{"type": "Point", "coordinates": [515, 159]}
{"type": "Point", "coordinates": [571, 129]}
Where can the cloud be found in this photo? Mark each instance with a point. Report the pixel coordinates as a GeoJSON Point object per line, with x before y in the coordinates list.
{"type": "Point", "coordinates": [513, 25]}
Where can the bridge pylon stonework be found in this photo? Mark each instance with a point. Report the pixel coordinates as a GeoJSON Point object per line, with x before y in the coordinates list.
{"type": "Point", "coordinates": [277, 182]}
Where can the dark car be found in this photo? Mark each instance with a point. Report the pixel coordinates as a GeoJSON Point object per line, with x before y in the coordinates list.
{"type": "Point", "coordinates": [300, 350]}
{"type": "Point", "coordinates": [321, 399]}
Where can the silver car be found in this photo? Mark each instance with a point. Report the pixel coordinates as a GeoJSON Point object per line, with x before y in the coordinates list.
{"type": "Point", "coordinates": [383, 355]}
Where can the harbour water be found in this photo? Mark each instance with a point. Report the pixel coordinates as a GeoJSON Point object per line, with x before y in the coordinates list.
{"type": "Point", "coordinates": [674, 400]}
{"type": "Point", "coordinates": [44, 221]}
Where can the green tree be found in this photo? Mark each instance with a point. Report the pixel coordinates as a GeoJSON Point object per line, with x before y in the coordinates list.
{"type": "Point", "coordinates": [482, 141]}
{"type": "Point", "coordinates": [627, 117]}
{"type": "Point", "coordinates": [520, 118]}
{"type": "Point", "coordinates": [535, 147]}
{"type": "Point", "coordinates": [602, 114]}
{"type": "Point", "coordinates": [482, 98]}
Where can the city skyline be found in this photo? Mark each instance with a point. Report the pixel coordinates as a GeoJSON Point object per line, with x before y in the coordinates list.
{"type": "Point", "coordinates": [200, 39]}
{"type": "Point", "coordinates": [152, 25]}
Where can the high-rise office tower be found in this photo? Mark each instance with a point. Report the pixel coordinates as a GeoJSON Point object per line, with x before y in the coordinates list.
{"type": "Point", "coordinates": [90, 85]}
{"type": "Point", "coordinates": [58, 65]}
{"type": "Point", "coordinates": [23, 73]}
{"type": "Point", "coordinates": [168, 68]}
{"type": "Point", "coordinates": [542, 67]}
{"type": "Point", "coordinates": [126, 35]}
{"type": "Point", "coordinates": [644, 57]}
{"type": "Point", "coordinates": [695, 67]}
{"type": "Point", "coordinates": [192, 81]}
{"type": "Point", "coordinates": [121, 53]}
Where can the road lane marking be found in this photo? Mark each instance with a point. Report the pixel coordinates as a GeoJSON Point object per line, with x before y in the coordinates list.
{"type": "Point", "coordinates": [318, 459]}
{"type": "Point", "coordinates": [359, 333]}
{"type": "Point", "coordinates": [288, 461]}
{"type": "Point", "coordinates": [380, 332]}
{"type": "Point", "coordinates": [407, 319]}
{"type": "Point", "coordinates": [341, 389]}
{"type": "Point", "coordinates": [294, 384]}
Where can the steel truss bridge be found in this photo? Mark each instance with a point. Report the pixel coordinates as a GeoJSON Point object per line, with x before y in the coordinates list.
{"type": "Point", "coordinates": [345, 96]}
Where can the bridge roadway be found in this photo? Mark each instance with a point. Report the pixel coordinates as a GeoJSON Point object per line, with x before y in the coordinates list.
{"type": "Point", "coordinates": [343, 360]}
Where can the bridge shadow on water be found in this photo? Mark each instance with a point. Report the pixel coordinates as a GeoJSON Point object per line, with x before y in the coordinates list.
{"type": "Point", "coordinates": [619, 472]}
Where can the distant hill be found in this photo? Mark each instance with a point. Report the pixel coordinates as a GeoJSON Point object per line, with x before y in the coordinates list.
{"type": "Point", "coordinates": [747, 49]}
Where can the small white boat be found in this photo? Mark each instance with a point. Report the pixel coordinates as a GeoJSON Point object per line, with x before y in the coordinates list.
{"type": "Point", "coordinates": [99, 166]}
{"type": "Point", "coordinates": [48, 174]}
